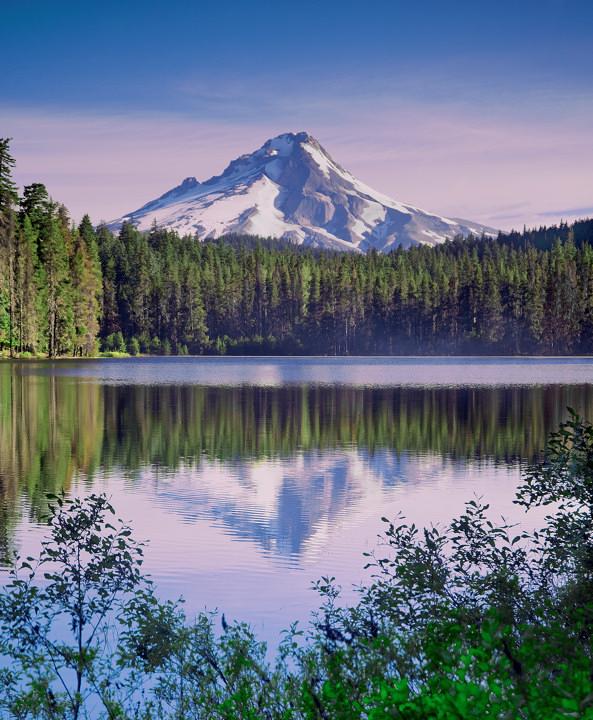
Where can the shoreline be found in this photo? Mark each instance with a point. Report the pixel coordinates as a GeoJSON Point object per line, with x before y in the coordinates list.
{"type": "Point", "coordinates": [428, 356]}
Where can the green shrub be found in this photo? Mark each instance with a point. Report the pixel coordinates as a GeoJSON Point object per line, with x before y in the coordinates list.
{"type": "Point", "coordinates": [134, 346]}
{"type": "Point", "coordinates": [114, 343]}
{"type": "Point", "coordinates": [155, 346]}
{"type": "Point", "coordinates": [471, 621]}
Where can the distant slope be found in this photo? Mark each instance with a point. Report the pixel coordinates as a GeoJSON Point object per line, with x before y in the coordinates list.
{"type": "Point", "coordinates": [292, 189]}
{"type": "Point", "coordinates": [546, 236]}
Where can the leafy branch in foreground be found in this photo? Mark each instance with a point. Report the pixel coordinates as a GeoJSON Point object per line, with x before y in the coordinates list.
{"type": "Point", "coordinates": [468, 621]}
{"type": "Point", "coordinates": [60, 614]}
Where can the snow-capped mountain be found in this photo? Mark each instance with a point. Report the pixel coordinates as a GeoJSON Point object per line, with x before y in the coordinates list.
{"type": "Point", "coordinates": [292, 189]}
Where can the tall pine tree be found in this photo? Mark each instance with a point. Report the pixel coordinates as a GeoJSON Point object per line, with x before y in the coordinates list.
{"type": "Point", "coordinates": [8, 200]}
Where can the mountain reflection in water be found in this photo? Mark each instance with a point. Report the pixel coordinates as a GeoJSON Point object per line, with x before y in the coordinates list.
{"type": "Point", "coordinates": [275, 471]}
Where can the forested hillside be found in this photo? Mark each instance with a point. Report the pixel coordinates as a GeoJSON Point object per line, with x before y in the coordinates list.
{"type": "Point", "coordinates": [67, 290]}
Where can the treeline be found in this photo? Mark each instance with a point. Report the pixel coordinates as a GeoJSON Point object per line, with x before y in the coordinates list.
{"type": "Point", "coordinates": [67, 290]}
{"type": "Point", "coordinates": [165, 294]}
{"type": "Point", "coordinates": [54, 432]}
{"type": "Point", "coordinates": [50, 273]}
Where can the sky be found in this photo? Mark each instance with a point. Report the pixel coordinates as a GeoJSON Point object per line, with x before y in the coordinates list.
{"type": "Point", "coordinates": [480, 110]}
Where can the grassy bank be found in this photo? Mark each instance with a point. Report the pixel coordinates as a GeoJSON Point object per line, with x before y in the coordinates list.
{"type": "Point", "coordinates": [44, 356]}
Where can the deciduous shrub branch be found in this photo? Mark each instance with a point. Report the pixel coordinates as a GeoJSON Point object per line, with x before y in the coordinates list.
{"type": "Point", "coordinates": [473, 620]}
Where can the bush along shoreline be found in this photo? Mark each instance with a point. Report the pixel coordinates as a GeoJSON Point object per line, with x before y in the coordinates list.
{"type": "Point", "coordinates": [470, 621]}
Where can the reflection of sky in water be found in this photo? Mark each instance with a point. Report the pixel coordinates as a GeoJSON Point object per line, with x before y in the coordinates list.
{"type": "Point", "coordinates": [249, 537]}
{"type": "Point", "coordinates": [247, 494]}
{"type": "Point", "coordinates": [421, 371]}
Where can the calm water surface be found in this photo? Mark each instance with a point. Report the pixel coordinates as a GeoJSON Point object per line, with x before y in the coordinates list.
{"type": "Point", "coordinates": [251, 477]}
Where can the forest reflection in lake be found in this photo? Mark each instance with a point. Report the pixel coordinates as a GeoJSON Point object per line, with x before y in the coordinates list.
{"type": "Point", "coordinates": [243, 489]}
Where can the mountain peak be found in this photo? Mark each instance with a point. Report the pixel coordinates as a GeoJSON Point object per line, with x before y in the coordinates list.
{"type": "Point", "coordinates": [189, 182]}
{"type": "Point", "coordinates": [291, 137]}
{"type": "Point", "coordinates": [291, 188]}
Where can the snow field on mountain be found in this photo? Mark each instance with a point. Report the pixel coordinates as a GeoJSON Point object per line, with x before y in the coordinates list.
{"type": "Point", "coordinates": [291, 189]}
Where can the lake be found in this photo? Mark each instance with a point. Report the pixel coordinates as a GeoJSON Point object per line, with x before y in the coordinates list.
{"type": "Point", "coordinates": [252, 477]}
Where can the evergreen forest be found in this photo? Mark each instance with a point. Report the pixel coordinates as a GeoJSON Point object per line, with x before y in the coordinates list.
{"type": "Point", "coordinates": [77, 290]}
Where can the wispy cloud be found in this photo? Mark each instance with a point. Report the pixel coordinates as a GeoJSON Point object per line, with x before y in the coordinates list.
{"type": "Point", "coordinates": [568, 212]}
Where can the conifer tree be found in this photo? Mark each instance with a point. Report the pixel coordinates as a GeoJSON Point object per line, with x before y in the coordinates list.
{"type": "Point", "coordinates": [54, 255]}
{"type": "Point", "coordinates": [27, 288]}
{"type": "Point", "coordinates": [8, 200]}
{"type": "Point", "coordinates": [87, 286]}
{"type": "Point", "coordinates": [36, 204]}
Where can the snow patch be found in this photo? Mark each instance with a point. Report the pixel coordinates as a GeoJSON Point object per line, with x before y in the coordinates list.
{"type": "Point", "coordinates": [320, 159]}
